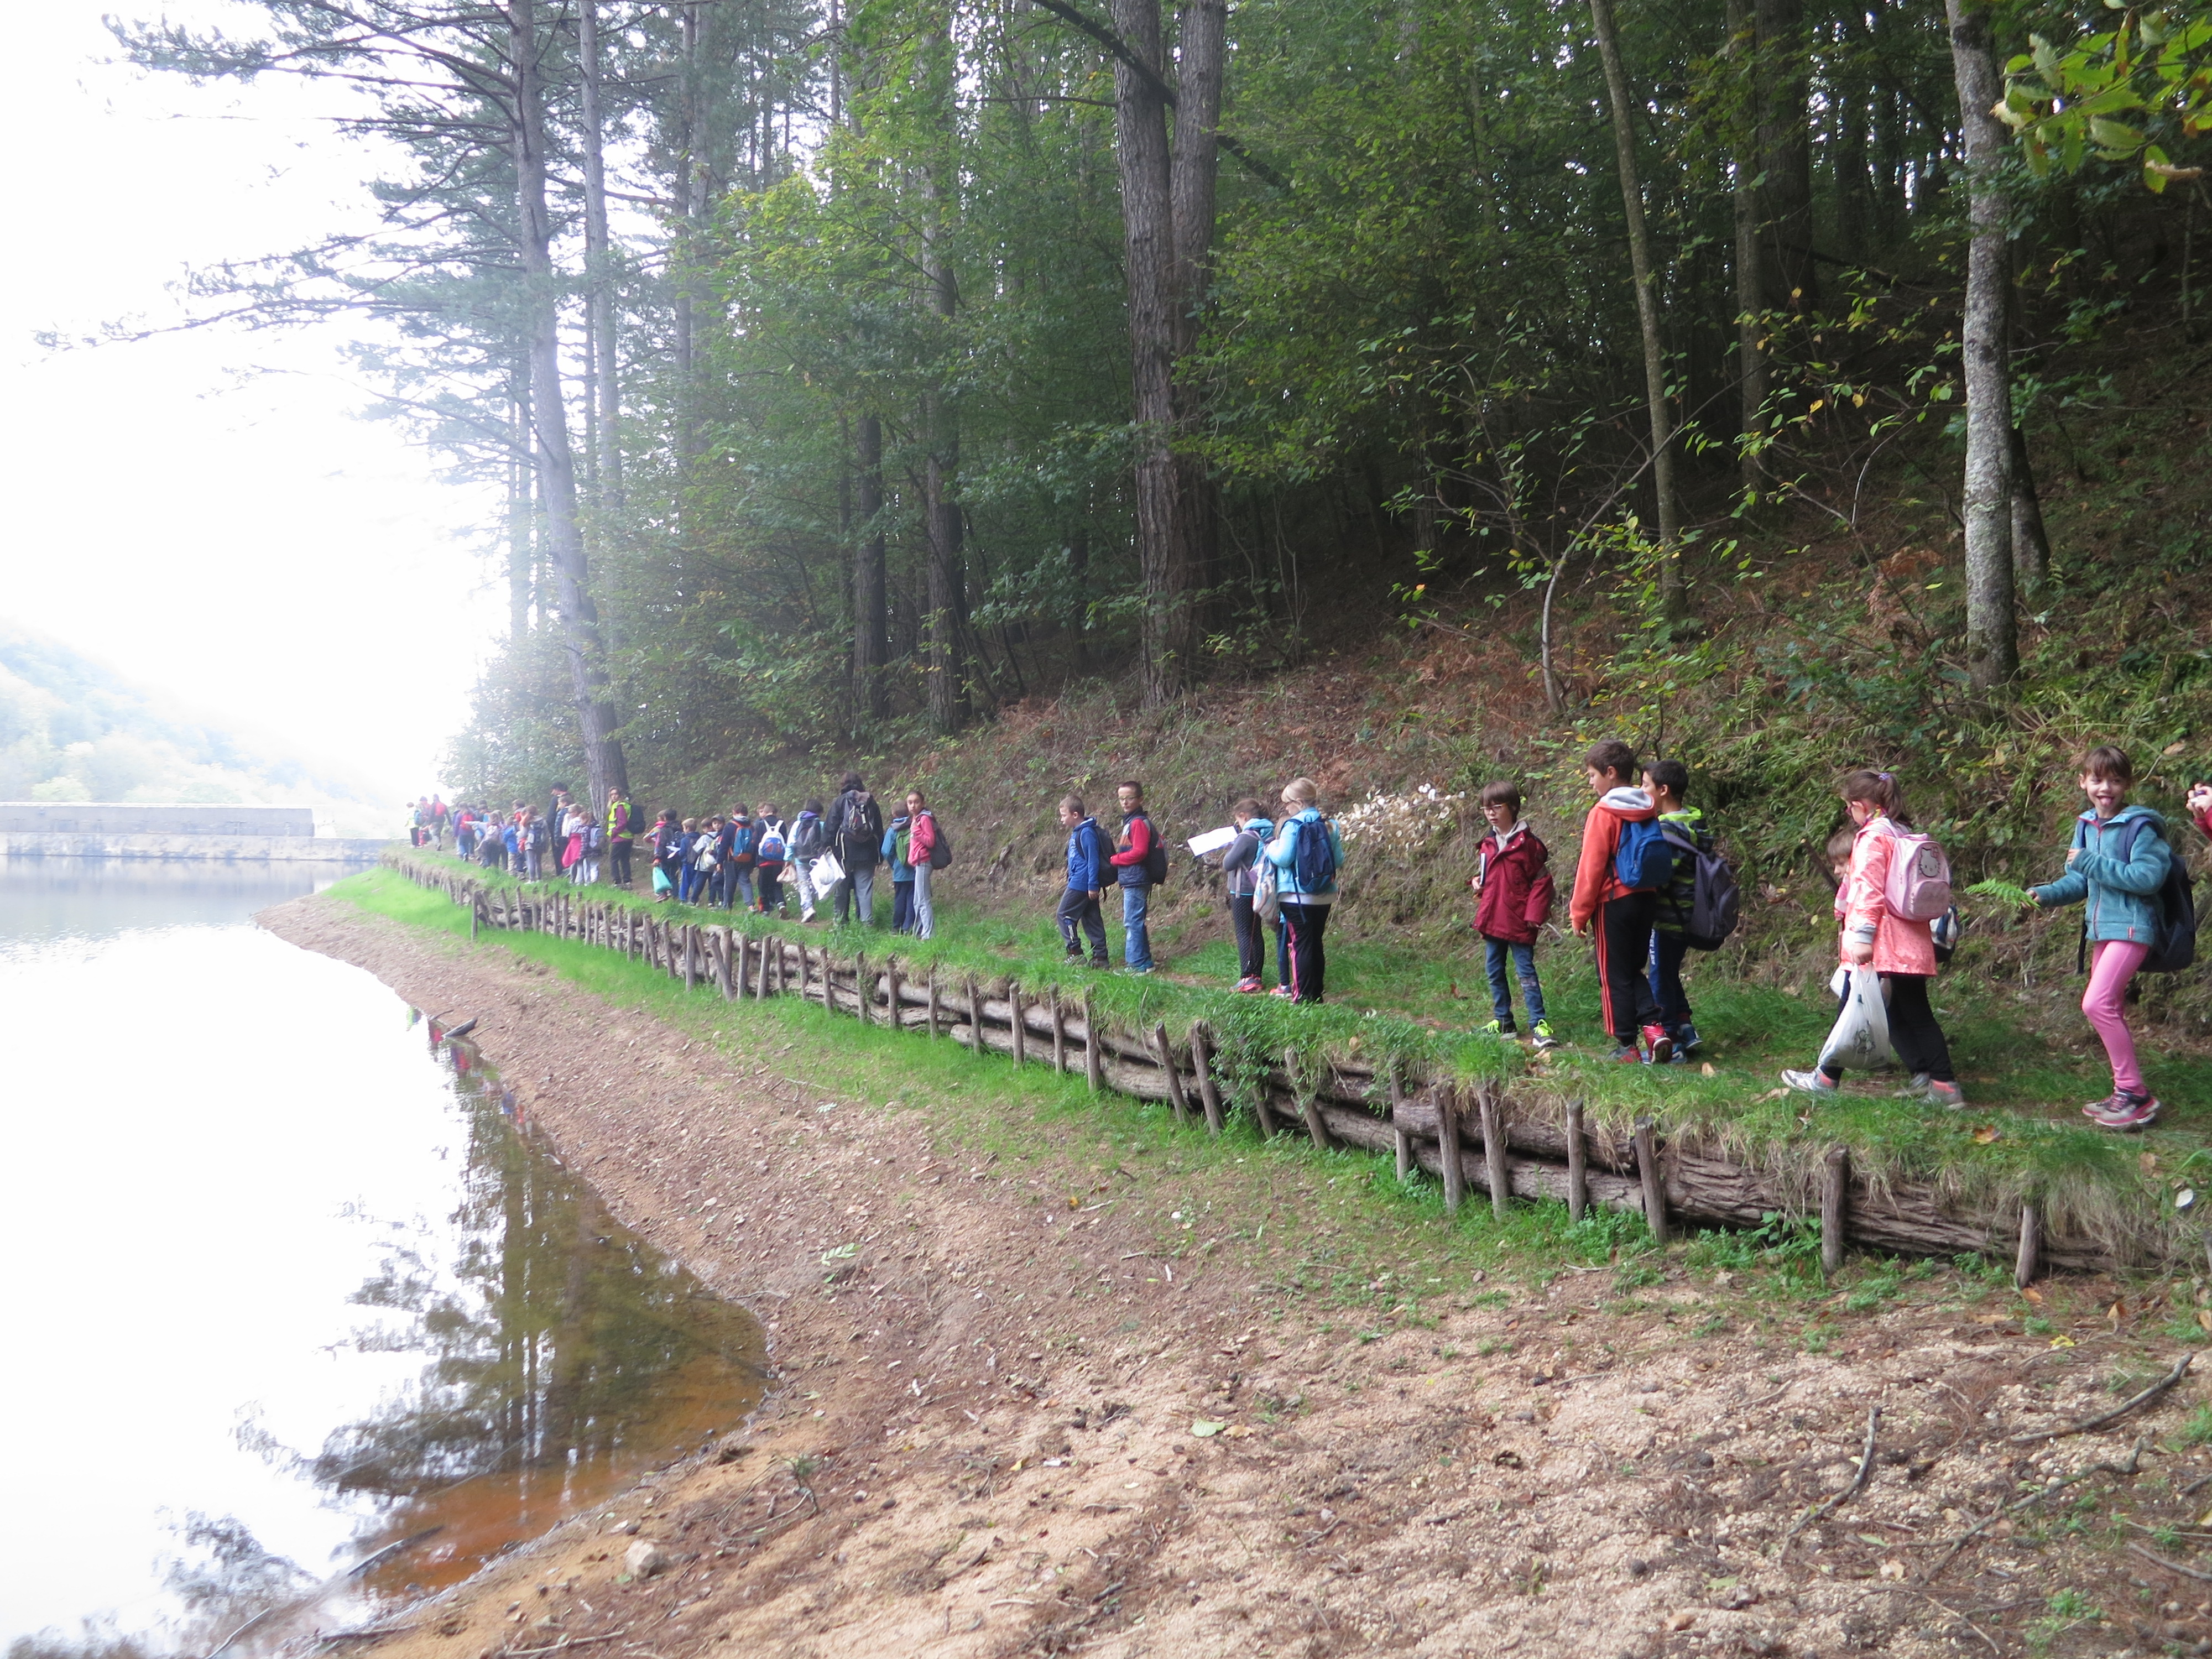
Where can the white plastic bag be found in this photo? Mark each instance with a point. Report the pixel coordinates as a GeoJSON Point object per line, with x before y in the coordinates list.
{"type": "Point", "coordinates": [1860, 1039]}
{"type": "Point", "coordinates": [826, 872]}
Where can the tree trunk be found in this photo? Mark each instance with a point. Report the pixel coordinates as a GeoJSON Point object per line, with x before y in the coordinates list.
{"type": "Point", "coordinates": [1148, 238]}
{"type": "Point", "coordinates": [1673, 600]}
{"type": "Point", "coordinates": [947, 699]}
{"type": "Point", "coordinates": [2030, 543]}
{"type": "Point", "coordinates": [692, 188]}
{"type": "Point", "coordinates": [1750, 293]}
{"type": "Point", "coordinates": [1992, 632]}
{"type": "Point", "coordinates": [1193, 169]}
{"type": "Point", "coordinates": [521, 539]}
{"type": "Point", "coordinates": [871, 619]}
{"type": "Point", "coordinates": [556, 468]}
{"type": "Point", "coordinates": [599, 272]}
{"type": "Point", "coordinates": [1786, 147]}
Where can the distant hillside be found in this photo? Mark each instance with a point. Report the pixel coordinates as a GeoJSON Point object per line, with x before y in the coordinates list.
{"type": "Point", "coordinates": [72, 730]}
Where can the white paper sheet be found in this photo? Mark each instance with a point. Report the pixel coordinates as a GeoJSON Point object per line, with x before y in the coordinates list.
{"type": "Point", "coordinates": [1211, 841]}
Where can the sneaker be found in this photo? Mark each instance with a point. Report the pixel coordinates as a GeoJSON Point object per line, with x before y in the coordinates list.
{"type": "Point", "coordinates": [1249, 987]}
{"type": "Point", "coordinates": [1948, 1096]}
{"type": "Point", "coordinates": [1662, 1045]}
{"type": "Point", "coordinates": [1283, 991]}
{"type": "Point", "coordinates": [1141, 972]}
{"type": "Point", "coordinates": [1682, 1056]}
{"type": "Point", "coordinates": [1498, 1028]}
{"type": "Point", "coordinates": [1540, 1033]}
{"type": "Point", "coordinates": [1627, 1054]}
{"type": "Point", "coordinates": [2136, 1112]}
{"type": "Point", "coordinates": [1101, 963]}
{"type": "Point", "coordinates": [1687, 1041]}
{"type": "Point", "coordinates": [1814, 1081]}
{"type": "Point", "coordinates": [1918, 1088]}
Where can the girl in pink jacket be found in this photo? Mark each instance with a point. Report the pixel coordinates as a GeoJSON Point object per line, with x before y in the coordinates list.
{"type": "Point", "coordinates": [1902, 952]}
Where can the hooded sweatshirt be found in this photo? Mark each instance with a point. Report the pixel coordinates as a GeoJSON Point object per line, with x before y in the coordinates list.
{"type": "Point", "coordinates": [1241, 863]}
{"type": "Point", "coordinates": [2123, 897]}
{"type": "Point", "coordinates": [1514, 899]}
{"type": "Point", "coordinates": [1595, 883]}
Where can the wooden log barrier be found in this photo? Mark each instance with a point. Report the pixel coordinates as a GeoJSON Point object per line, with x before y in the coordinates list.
{"type": "Point", "coordinates": [1449, 1148]}
{"type": "Point", "coordinates": [1578, 1164]}
{"type": "Point", "coordinates": [1093, 1056]}
{"type": "Point", "coordinates": [1016, 1027]}
{"type": "Point", "coordinates": [1655, 1188]}
{"type": "Point", "coordinates": [1493, 1149]}
{"type": "Point", "coordinates": [1835, 1198]}
{"type": "Point", "coordinates": [1308, 1104]}
{"type": "Point", "coordinates": [1401, 1139]}
{"type": "Point", "coordinates": [1201, 1060]}
{"type": "Point", "coordinates": [1170, 1073]}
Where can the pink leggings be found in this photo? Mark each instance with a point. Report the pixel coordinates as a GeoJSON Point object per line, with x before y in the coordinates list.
{"type": "Point", "coordinates": [2112, 963]}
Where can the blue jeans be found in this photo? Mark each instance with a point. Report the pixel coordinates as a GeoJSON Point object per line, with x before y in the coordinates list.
{"type": "Point", "coordinates": [1524, 969]}
{"type": "Point", "coordinates": [1136, 943]}
{"type": "Point", "coordinates": [924, 913]}
{"type": "Point", "coordinates": [902, 905]}
{"type": "Point", "coordinates": [1667, 951]}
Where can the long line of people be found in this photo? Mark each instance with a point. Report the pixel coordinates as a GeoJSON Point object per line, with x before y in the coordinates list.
{"type": "Point", "coordinates": [1649, 889]}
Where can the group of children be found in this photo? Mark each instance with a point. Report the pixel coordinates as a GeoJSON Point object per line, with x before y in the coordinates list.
{"type": "Point", "coordinates": [2118, 865]}
{"type": "Point", "coordinates": [727, 861]}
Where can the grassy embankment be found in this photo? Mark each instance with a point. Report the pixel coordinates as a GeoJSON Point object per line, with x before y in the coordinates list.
{"type": "Point", "coordinates": [1338, 1239]}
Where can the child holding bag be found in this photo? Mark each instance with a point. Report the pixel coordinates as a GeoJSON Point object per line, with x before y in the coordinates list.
{"type": "Point", "coordinates": [2116, 865]}
{"type": "Point", "coordinates": [1899, 949]}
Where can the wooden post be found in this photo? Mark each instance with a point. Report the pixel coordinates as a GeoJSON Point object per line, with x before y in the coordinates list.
{"type": "Point", "coordinates": [1654, 1190]}
{"type": "Point", "coordinates": [1058, 1032]}
{"type": "Point", "coordinates": [891, 973]}
{"type": "Point", "coordinates": [1019, 1035]}
{"type": "Point", "coordinates": [760, 981]}
{"type": "Point", "coordinates": [1835, 1189]}
{"type": "Point", "coordinates": [775, 944]}
{"type": "Point", "coordinates": [474, 907]}
{"type": "Point", "coordinates": [862, 991]}
{"type": "Point", "coordinates": [804, 974]}
{"type": "Point", "coordinates": [732, 973]}
{"type": "Point", "coordinates": [1201, 1060]}
{"type": "Point", "coordinates": [1401, 1140]}
{"type": "Point", "coordinates": [934, 1032]}
{"type": "Point", "coordinates": [2029, 1261]}
{"type": "Point", "coordinates": [690, 955]}
{"type": "Point", "coordinates": [1170, 1074]}
{"type": "Point", "coordinates": [1493, 1149]}
{"type": "Point", "coordinates": [1094, 1068]}
{"type": "Point", "coordinates": [1448, 1147]}
{"type": "Point", "coordinates": [1309, 1106]}
{"type": "Point", "coordinates": [1578, 1164]}
{"type": "Point", "coordinates": [975, 1014]}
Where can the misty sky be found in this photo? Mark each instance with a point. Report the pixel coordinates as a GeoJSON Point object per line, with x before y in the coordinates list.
{"type": "Point", "coordinates": [232, 539]}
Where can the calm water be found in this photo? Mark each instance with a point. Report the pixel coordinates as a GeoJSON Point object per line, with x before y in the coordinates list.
{"type": "Point", "coordinates": [288, 1288]}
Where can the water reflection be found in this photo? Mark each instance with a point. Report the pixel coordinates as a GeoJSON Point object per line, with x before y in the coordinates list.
{"type": "Point", "coordinates": [289, 1291]}
{"type": "Point", "coordinates": [563, 1355]}
{"type": "Point", "coordinates": [45, 898]}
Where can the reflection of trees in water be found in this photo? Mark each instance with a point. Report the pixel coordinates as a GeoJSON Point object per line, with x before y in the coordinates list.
{"type": "Point", "coordinates": [227, 1581]}
{"type": "Point", "coordinates": [546, 1337]}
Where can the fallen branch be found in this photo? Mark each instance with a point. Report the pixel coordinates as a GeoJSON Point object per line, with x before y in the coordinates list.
{"type": "Point", "coordinates": [2197, 1573]}
{"type": "Point", "coordinates": [1857, 1486]}
{"type": "Point", "coordinates": [2131, 1467]}
{"type": "Point", "coordinates": [565, 1642]}
{"type": "Point", "coordinates": [2089, 1426]}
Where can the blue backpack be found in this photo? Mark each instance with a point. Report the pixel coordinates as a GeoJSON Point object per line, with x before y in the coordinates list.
{"type": "Point", "coordinates": [1644, 860]}
{"type": "Point", "coordinates": [1313, 857]}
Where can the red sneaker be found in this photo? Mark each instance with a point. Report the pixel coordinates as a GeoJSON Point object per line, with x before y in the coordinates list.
{"type": "Point", "coordinates": [1661, 1045]}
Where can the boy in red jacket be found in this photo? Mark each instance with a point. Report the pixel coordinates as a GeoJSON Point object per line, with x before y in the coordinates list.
{"type": "Point", "coordinates": [1513, 897]}
{"type": "Point", "coordinates": [1620, 915]}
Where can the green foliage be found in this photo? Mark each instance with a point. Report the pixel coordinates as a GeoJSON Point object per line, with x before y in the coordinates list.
{"type": "Point", "coordinates": [2154, 68]}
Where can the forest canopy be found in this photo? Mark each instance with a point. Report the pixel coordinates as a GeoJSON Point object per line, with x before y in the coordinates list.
{"type": "Point", "coordinates": [869, 363]}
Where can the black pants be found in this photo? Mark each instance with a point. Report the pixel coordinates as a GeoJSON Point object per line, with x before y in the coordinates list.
{"type": "Point", "coordinates": [1623, 948]}
{"type": "Point", "coordinates": [620, 873]}
{"type": "Point", "coordinates": [1251, 948]}
{"type": "Point", "coordinates": [1079, 915]}
{"type": "Point", "coordinates": [1913, 1032]}
{"type": "Point", "coordinates": [1309, 962]}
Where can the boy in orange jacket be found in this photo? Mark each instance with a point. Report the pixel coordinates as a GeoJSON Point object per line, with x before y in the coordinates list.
{"type": "Point", "coordinates": [1619, 915]}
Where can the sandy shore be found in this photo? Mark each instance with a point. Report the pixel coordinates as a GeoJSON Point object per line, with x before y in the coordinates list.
{"type": "Point", "coordinates": [994, 1424]}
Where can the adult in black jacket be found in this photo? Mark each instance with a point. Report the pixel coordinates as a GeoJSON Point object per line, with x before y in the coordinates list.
{"type": "Point", "coordinates": [856, 835]}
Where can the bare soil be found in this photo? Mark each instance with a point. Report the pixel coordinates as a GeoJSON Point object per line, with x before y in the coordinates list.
{"type": "Point", "coordinates": [993, 1431]}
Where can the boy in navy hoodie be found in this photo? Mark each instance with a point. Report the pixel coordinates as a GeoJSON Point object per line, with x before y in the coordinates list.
{"type": "Point", "coordinates": [1088, 873]}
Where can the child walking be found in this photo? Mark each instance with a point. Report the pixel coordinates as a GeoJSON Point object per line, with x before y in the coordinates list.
{"type": "Point", "coordinates": [1240, 866]}
{"type": "Point", "coordinates": [1668, 781]}
{"type": "Point", "coordinates": [1901, 951]}
{"type": "Point", "coordinates": [1617, 914]}
{"type": "Point", "coordinates": [1513, 899]}
{"type": "Point", "coordinates": [2115, 865]}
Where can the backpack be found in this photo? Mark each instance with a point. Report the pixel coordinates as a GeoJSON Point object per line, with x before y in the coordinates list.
{"type": "Point", "coordinates": [864, 822]}
{"type": "Point", "coordinates": [1710, 915]}
{"type": "Point", "coordinates": [1313, 857]}
{"type": "Point", "coordinates": [941, 850]}
{"type": "Point", "coordinates": [2175, 947]}
{"type": "Point", "coordinates": [1918, 888]}
{"type": "Point", "coordinates": [769, 853]}
{"type": "Point", "coordinates": [806, 841]}
{"type": "Point", "coordinates": [1643, 862]}
{"type": "Point", "coordinates": [1947, 932]}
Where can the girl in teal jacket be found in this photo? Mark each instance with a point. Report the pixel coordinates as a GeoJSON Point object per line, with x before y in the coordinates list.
{"type": "Point", "coordinates": [2115, 865]}
{"type": "Point", "coordinates": [1305, 904]}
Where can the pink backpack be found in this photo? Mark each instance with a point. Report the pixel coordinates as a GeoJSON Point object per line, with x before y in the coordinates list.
{"type": "Point", "coordinates": [1919, 885]}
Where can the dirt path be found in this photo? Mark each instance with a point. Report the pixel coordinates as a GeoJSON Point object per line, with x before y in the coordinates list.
{"type": "Point", "coordinates": [983, 1440]}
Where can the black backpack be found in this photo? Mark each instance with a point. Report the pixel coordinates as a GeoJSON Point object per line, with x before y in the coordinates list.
{"type": "Point", "coordinates": [1715, 903]}
{"type": "Point", "coordinates": [1156, 855]}
{"type": "Point", "coordinates": [806, 839]}
{"type": "Point", "coordinates": [862, 824]}
{"type": "Point", "coordinates": [2175, 947]}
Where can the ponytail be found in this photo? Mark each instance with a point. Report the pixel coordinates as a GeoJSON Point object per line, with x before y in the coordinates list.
{"type": "Point", "coordinates": [1881, 788]}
